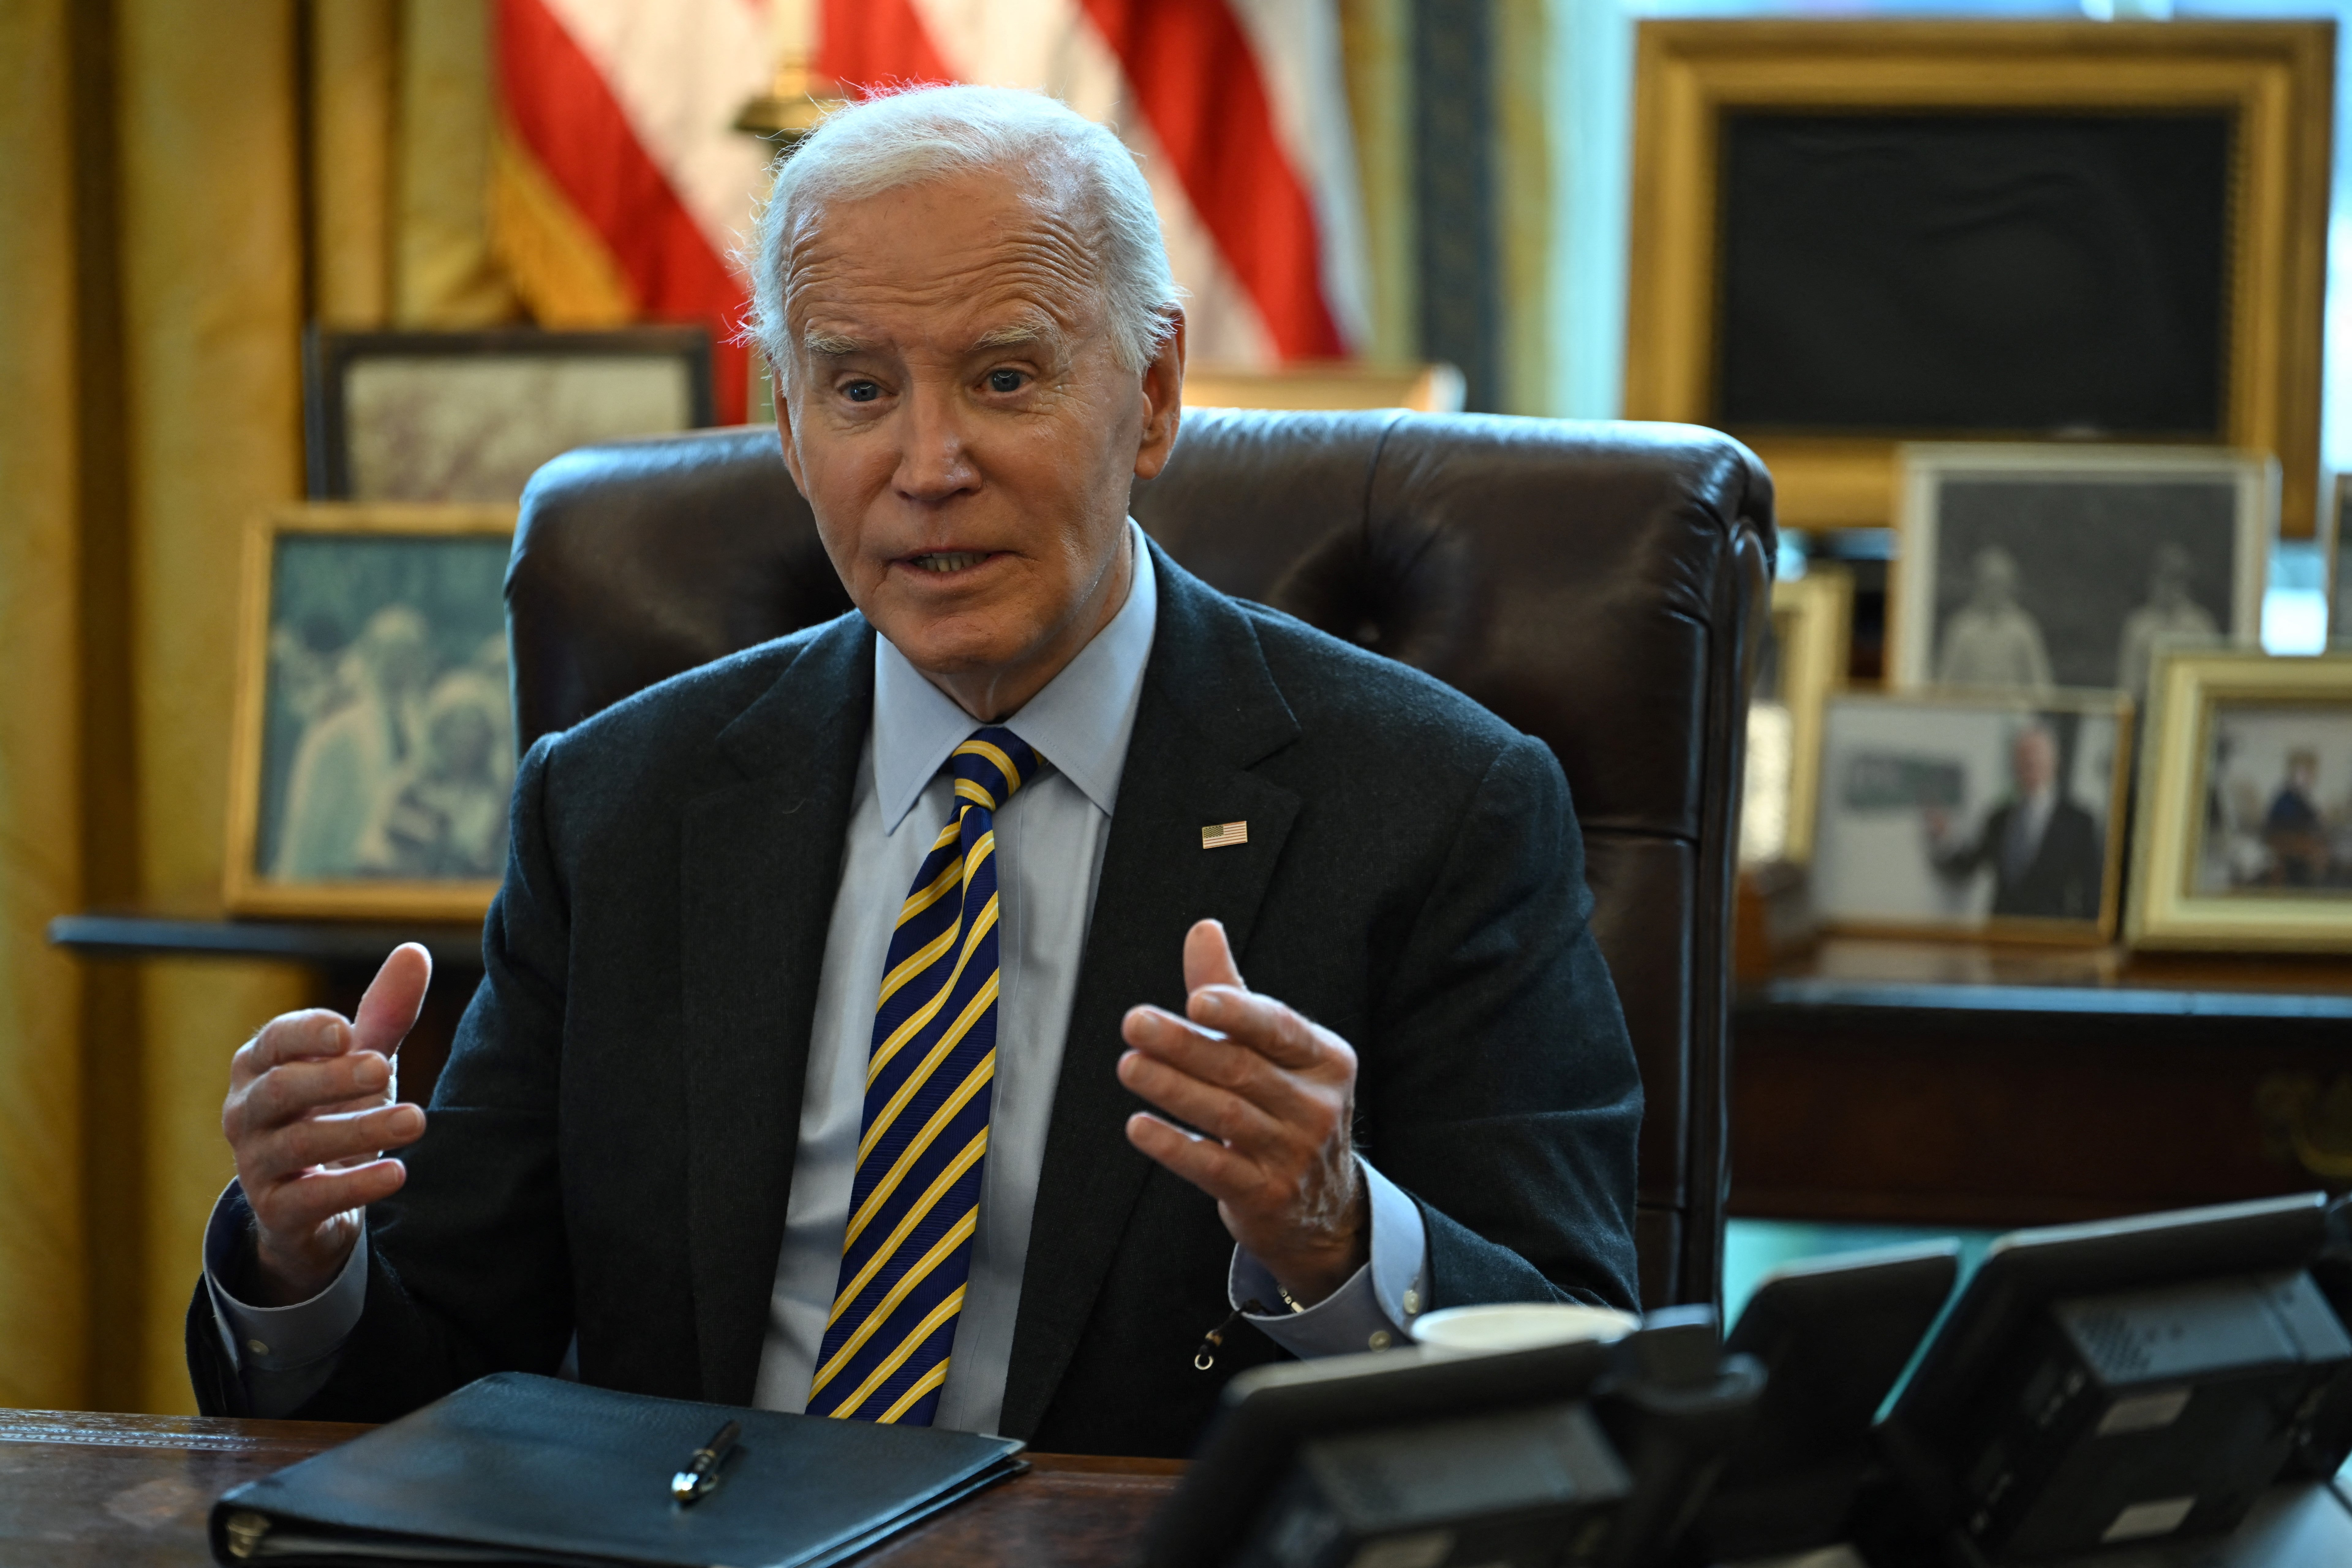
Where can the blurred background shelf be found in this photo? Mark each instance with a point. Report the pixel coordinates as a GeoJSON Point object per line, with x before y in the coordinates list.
{"type": "Point", "coordinates": [341, 957]}
{"type": "Point", "coordinates": [326, 944]}
{"type": "Point", "coordinates": [1988, 1086]}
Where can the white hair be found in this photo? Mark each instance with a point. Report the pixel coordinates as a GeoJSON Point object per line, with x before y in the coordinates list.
{"type": "Point", "coordinates": [908, 138]}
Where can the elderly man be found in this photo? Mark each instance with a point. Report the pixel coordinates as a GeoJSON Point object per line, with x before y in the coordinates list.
{"type": "Point", "coordinates": [829, 985]}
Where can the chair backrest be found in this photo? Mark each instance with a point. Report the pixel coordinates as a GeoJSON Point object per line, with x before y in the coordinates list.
{"type": "Point", "coordinates": [1601, 586]}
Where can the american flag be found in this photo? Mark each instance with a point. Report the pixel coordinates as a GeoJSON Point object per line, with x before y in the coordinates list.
{"type": "Point", "coordinates": [1219, 835]}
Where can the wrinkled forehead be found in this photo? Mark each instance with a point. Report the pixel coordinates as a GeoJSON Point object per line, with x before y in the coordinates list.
{"type": "Point", "coordinates": [979, 242]}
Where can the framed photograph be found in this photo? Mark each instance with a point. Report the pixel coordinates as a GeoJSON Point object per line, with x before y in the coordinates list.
{"type": "Point", "coordinates": [2028, 568]}
{"type": "Point", "coordinates": [469, 416]}
{"type": "Point", "coordinates": [1847, 233]}
{"type": "Point", "coordinates": [375, 743]}
{"type": "Point", "coordinates": [1804, 662]}
{"type": "Point", "coordinates": [1972, 815]}
{"type": "Point", "coordinates": [2245, 831]}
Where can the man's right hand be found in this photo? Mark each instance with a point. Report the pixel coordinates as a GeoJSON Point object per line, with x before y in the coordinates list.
{"type": "Point", "coordinates": [312, 1106]}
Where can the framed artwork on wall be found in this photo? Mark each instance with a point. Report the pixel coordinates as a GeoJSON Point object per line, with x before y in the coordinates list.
{"type": "Point", "coordinates": [1972, 815]}
{"type": "Point", "coordinates": [2035, 567]}
{"type": "Point", "coordinates": [1847, 233]}
{"type": "Point", "coordinates": [2244, 837]}
{"type": "Point", "coordinates": [374, 751]}
{"type": "Point", "coordinates": [467, 417]}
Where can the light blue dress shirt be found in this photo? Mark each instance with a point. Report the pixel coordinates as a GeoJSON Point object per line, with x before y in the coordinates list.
{"type": "Point", "coordinates": [1050, 839]}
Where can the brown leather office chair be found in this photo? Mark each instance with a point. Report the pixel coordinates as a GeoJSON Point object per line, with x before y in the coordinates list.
{"type": "Point", "coordinates": [1600, 586]}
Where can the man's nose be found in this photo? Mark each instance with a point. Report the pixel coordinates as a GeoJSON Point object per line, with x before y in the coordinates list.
{"type": "Point", "coordinates": [934, 454]}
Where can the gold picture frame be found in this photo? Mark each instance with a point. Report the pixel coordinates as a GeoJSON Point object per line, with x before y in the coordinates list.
{"type": "Point", "coordinates": [372, 751]}
{"type": "Point", "coordinates": [1893, 763]}
{"type": "Point", "coordinates": [2274, 78]}
{"type": "Point", "coordinates": [2176, 856]}
{"type": "Point", "coordinates": [1425, 388]}
{"type": "Point", "coordinates": [1812, 631]}
{"type": "Point", "coordinates": [2334, 548]}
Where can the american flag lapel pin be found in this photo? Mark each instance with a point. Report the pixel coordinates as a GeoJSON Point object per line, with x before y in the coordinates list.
{"type": "Point", "coordinates": [1223, 834]}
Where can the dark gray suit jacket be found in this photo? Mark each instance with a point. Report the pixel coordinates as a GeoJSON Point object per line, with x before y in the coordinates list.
{"type": "Point", "coordinates": [611, 1145]}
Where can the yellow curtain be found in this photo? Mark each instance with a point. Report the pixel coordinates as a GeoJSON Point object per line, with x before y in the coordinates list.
{"type": "Point", "coordinates": [211, 302]}
{"type": "Point", "coordinates": [43, 1269]}
{"type": "Point", "coordinates": [168, 221]}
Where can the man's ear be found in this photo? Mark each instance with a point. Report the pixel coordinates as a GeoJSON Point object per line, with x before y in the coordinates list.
{"type": "Point", "coordinates": [785, 431]}
{"type": "Point", "coordinates": [1163, 399]}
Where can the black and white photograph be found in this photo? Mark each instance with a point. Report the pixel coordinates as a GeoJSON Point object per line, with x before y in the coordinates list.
{"type": "Point", "coordinates": [1970, 814]}
{"type": "Point", "coordinates": [382, 739]}
{"type": "Point", "coordinates": [2278, 801]}
{"type": "Point", "coordinates": [470, 416]}
{"type": "Point", "coordinates": [2028, 568]}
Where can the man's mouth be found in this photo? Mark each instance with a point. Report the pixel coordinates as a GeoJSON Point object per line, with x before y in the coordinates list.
{"type": "Point", "coordinates": [943, 561]}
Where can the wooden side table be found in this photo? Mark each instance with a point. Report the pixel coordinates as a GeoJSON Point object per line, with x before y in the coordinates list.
{"type": "Point", "coordinates": [1990, 1086]}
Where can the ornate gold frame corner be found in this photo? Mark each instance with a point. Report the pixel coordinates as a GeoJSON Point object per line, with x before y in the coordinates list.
{"type": "Point", "coordinates": [2278, 75]}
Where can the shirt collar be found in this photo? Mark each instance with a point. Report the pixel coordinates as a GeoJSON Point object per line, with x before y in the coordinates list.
{"type": "Point", "coordinates": [1080, 722]}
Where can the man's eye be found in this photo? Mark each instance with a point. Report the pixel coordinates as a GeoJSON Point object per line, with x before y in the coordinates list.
{"type": "Point", "coordinates": [862, 391]}
{"type": "Point", "coordinates": [1006, 380]}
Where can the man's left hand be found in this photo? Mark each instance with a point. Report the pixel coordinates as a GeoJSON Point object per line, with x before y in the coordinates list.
{"type": "Point", "coordinates": [1274, 1097]}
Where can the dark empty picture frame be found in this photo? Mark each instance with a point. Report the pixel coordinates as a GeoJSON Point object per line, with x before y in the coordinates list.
{"type": "Point", "coordinates": [468, 416]}
{"type": "Point", "coordinates": [1849, 235]}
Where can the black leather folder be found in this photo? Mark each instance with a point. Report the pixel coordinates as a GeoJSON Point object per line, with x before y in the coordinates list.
{"type": "Point", "coordinates": [516, 1468]}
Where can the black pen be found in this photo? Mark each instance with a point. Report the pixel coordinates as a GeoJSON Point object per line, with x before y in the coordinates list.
{"type": "Point", "coordinates": [700, 1478]}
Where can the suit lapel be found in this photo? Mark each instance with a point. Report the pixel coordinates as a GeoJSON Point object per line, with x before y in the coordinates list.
{"type": "Point", "coordinates": [1209, 711]}
{"type": "Point", "coordinates": [762, 861]}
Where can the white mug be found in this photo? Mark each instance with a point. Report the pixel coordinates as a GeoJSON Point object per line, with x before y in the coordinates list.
{"type": "Point", "coordinates": [1520, 1325]}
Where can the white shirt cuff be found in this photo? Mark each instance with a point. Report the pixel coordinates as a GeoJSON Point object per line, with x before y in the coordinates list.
{"type": "Point", "coordinates": [278, 1339]}
{"type": "Point", "coordinates": [1374, 1309]}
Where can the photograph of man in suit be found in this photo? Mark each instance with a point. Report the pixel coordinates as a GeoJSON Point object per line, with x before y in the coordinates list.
{"type": "Point", "coordinates": [864, 1026]}
{"type": "Point", "coordinates": [2044, 849]}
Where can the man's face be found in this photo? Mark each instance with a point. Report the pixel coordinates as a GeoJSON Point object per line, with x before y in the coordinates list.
{"type": "Point", "coordinates": [2034, 761]}
{"type": "Point", "coordinates": [962, 430]}
{"type": "Point", "coordinates": [1996, 584]}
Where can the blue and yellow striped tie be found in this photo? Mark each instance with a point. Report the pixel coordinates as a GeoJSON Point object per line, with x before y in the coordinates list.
{"type": "Point", "coordinates": [915, 1202]}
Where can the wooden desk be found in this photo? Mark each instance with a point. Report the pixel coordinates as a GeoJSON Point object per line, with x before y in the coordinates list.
{"type": "Point", "coordinates": [132, 1491]}
{"type": "Point", "coordinates": [1981, 1085]}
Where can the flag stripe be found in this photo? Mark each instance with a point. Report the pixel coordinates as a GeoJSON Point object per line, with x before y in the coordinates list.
{"type": "Point", "coordinates": [560, 107]}
{"type": "Point", "coordinates": [876, 43]}
{"type": "Point", "coordinates": [1192, 71]}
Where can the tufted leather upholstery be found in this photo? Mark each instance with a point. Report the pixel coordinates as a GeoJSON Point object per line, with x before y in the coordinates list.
{"type": "Point", "coordinates": [1599, 585]}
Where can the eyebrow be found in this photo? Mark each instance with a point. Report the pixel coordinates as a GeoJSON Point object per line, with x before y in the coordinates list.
{"type": "Point", "coordinates": [1019, 334]}
{"type": "Point", "coordinates": [830, 345]}
{"type": "Point", "coordinates": [1011, 334]}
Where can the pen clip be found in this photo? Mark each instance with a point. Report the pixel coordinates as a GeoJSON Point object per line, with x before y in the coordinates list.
{"type": "Point", "coordinates": [704, 1468]}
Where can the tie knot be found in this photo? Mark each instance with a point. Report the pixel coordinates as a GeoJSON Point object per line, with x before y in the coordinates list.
{"type": "Point", "coordinates": [991, 766]}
